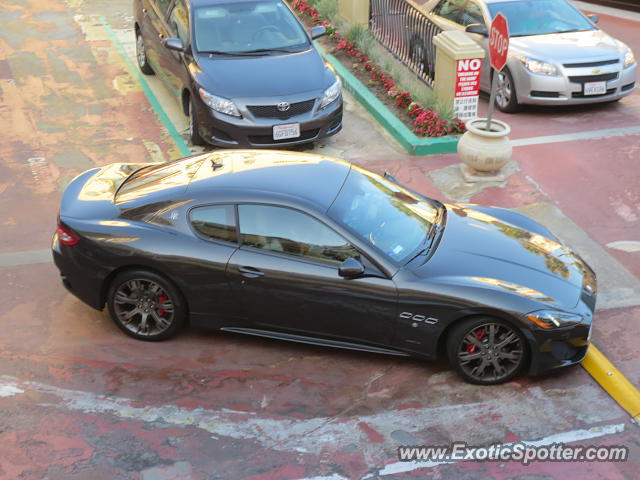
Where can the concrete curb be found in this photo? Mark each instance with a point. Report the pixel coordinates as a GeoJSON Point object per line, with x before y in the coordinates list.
{"type": "Point", "coordinates": [413, 144]}
{"type": "Point", "coordinates": [614, 383]}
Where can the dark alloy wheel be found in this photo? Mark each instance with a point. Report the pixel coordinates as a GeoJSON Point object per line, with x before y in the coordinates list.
{"type": "Point", "coordinates": [506, 96]}
{"type": "Point", "coordinates": [141, 55]}
{"type": "Point", "coordinates": [418, 55]}
{"type": "Point", "coordinates": [194, 134]}
{"type": "Point", "coordinates": [146, 306]}
{"type": "Point", "coordinates": [486, 351]}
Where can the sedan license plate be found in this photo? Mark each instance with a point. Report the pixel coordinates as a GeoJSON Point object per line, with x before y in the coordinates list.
{"type": "Point", "coordinates": [281, 132]}
{"type": "Point", "coordinates": [595, 88]}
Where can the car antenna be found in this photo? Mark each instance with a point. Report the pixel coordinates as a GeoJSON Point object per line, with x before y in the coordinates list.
{"type": "Point", "coordinates": [215, 165]}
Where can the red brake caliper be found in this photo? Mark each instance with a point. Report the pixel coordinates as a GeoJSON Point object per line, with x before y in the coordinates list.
{"type": "Point", "coordinates": [479, 333]}
{"type": "Point", "coordinates": [161, 300]}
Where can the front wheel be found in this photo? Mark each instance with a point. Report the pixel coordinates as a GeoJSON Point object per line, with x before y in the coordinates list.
{"type": "Point", "coordinates": [194, 133]}
{"type": "Point", "coordinates": [146, 306]}
{"type": "Point", "coordinates": [506, 95]}
{"type": "Point", "coordinates": [486, 351]}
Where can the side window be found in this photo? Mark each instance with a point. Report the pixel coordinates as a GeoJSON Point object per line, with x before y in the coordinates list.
{"type": "Point", "coordinates": [472, 14]}
{"type": "Point", "coordinates": [163, 5]}
{"type": "Point", "coordinates": [216, 221]}
{"type": "Point", "coordinates": [288, 231]}
{"type": "Point", "coordinates": [450, 9]}
{"type": "Point", "coordinates": [179, 22]}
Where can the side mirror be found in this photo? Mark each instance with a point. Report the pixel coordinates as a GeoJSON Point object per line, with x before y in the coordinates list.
{"type": "Point", "coordinates": [174, 44]}
{"type": "Point", "coordinates": [317, 32]}
{"type": "Point", "coordinates": [477, 28]}
{"type": "Point", "coordinates": [351, 268]}
{"type": "Point", "coordinates": [594, 18]}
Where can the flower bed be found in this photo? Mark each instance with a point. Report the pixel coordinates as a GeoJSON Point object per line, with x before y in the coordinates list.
{"type": "Point", "coordinates": [424, 122]}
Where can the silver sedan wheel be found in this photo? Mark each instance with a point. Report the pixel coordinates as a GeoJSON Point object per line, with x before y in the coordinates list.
{"type": "Point", "coordinates": [140, 53]}
{"type": "Point", "coordinates": [143, 307]}
{"type": "Point", "coordinates": [504, 90]}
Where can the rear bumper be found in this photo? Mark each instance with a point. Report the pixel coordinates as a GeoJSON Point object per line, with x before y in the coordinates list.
{"type": "Point", "coordinates": [231, 132]}
{"type": "Point", "coordinates": [74, 276]}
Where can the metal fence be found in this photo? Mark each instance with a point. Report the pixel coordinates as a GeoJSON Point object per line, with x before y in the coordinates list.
{"type": "Point", "coordinates": [403, 29]}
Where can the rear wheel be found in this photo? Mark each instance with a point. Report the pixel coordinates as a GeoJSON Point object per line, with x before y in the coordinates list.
{"type": "Point", "coordinates": [141, 55]}
{"type": "Point", "coordinates": [146, 306]}
{"type": "Point", "coordinates": [486, 351]}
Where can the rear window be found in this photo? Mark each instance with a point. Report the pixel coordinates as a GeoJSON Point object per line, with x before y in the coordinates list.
{"type": "Point", "coordinates": [159, 177]}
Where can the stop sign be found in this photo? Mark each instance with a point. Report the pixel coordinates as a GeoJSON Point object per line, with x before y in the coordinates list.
{"type": "Point", "coordinates": [499, 41]}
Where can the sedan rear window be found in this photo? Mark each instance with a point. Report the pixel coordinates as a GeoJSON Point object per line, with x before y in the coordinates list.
{"type": "Point", "coordinates": [246, 26]}
{"type": "Point", "coordinates": [159, 177]}
{"type": "Point", "coordinates": [539, 17]}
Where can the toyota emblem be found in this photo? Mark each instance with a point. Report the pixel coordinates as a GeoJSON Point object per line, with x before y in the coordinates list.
{"type": "Point", "coordinates": [283, 106]}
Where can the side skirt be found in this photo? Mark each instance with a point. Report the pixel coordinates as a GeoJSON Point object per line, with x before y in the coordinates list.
{"type": "Point", "coordinates": [315, 341]}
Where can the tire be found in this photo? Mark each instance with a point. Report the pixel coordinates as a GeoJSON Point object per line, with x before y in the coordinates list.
{"type": "Point", "coordinates": [506, 95]}
{"type": "Point", "coordinates": [194, 135]}
{"type": "Point", "coordinates": [467, 357]}
{"type": "Point", "coordinates": [418, 55]}
{"type": "Point", "coordinates": [160, 309]}
{"type": "Point", "coordinates": [141, 55]}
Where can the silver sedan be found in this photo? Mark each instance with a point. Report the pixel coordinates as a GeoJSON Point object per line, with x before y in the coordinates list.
{"type": "Point", "coordinates": [557, 55]}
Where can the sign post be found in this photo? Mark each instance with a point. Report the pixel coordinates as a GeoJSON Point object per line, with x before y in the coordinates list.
{"type": "Point", "coordinates": [498, 49]}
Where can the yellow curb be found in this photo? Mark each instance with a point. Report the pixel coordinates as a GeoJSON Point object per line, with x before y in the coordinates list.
{"type": "Point", "coordinates": [614, 383]}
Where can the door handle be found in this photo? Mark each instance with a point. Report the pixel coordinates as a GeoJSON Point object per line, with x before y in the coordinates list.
{"type": "Point", "coordinates": [250, 272]}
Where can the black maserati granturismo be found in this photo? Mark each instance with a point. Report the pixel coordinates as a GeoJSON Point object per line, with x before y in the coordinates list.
{"type": "Point", "coordinates": [308, 248]}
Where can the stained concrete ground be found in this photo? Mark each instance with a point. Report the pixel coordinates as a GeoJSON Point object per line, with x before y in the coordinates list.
{"type": "Point", "coordinates": [80, 400]}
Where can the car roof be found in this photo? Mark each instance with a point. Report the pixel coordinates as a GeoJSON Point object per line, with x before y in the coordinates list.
{"type": "Point", "coordinates": [314, 178]}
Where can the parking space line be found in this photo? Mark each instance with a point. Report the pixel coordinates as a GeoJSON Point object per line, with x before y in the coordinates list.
{"type": "Point", "coordinates": [571, 137]}
{"type": "Point", "coordinates": [26, 257]}
{"type": "Point", "coordinates": [612, 381]}
{"type": "Point", "coordinates": [153, 100]}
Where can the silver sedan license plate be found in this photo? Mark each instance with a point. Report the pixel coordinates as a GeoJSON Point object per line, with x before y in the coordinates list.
{"type": "Point", "coordinates": [282, 132]}
{"type": "Point", "coordinates": [595, 88]}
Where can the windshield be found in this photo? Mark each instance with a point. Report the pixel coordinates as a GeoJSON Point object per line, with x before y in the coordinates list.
{"type": "Point", "coordinates": [539, 17]}
{"type": "Point", "coordinates": [158, 177]}
{"type": "Point", "coordinates": [392, 219]}
{"type": "Point", "coordinates": [247, 26]}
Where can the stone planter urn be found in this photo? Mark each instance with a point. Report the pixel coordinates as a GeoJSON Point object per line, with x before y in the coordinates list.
{"type": "Point", "coordinates": [484, 152]}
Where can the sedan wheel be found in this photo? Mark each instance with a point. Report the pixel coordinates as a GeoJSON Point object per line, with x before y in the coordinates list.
{"type": "Point", "coordinates": [486, 351]}
{"type": "Point", "coordinates": [141, 55]}
{"type": "Point", "coordinates": [194, 134]}
{"type": "Point", "coordinates": [146, 306]}
{"type": "Point", "coordinates": [506, 97]}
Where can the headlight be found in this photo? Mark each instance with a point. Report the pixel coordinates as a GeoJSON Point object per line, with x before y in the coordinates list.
{"type": "Point", "coordinates": [629, 58]}
{"type": "Point", "coordinates": [219, 104]}
{"type": "Point", "coordinates": [554, 319]}
{"type": "Point", "coordinates": [332, 93]}
{"type": "Point", "coordinates": [538, 66]}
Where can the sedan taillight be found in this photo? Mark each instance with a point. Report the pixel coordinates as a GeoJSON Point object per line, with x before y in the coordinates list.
{"type": "Point", "coordinates": [65, 235]}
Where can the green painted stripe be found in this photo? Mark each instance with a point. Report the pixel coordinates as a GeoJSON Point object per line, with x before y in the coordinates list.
{"type": "Point", "coordinates": [411, 142]}
{"type": "Point", "coordinates": [153, 100]}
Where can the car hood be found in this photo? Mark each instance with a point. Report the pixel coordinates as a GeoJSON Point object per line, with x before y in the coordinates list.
{"type": "Point", "coordinates": [480, 250]}
{"type": "Point", "coordinates": [263, 76]}
{"type": "Point", "coordinates": [568, 47]}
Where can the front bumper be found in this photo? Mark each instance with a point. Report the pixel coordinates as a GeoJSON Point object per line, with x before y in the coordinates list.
{"type": "Point", "coordinates": [559, 347]}
{"type": "Point", "coordinates": [568, 87]}
{"type": "Point", "coordinates": [251, 132]}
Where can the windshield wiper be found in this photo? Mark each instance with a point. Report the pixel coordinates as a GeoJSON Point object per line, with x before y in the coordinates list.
{"type": "Point", "coordinates": [267, 50]}
{"type": "Point", "coordinates": [230, 54]}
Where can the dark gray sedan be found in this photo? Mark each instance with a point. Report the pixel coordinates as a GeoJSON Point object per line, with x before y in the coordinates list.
{"type": "Point", "coordinates": [245, 71]}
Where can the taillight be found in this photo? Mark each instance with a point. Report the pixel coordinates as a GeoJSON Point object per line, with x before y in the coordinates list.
{"type": "Point", "coordinates": [65, 235]}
